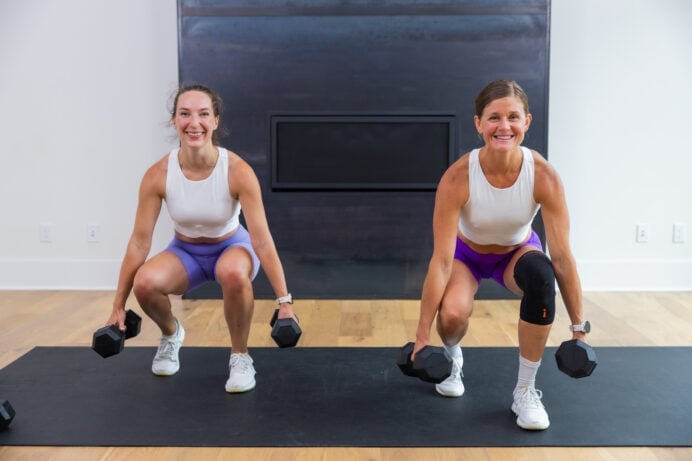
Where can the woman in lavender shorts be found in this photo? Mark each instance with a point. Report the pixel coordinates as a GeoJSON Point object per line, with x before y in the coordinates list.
{"type": "Point", "coordinates": [204, 187]}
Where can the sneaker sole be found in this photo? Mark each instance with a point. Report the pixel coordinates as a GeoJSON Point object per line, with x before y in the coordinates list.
{"type": "Point", "coordinates": [529, 427]}
{"type": "Point", "coordinates": [449, 394]}
{"type": "Point", "coordinates": [238, 390]}
{"type": "Point", "coordinates": [165, 373]}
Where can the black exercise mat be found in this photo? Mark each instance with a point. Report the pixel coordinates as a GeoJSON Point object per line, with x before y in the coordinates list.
{"type": "Point", "coordinates": [340, 397]}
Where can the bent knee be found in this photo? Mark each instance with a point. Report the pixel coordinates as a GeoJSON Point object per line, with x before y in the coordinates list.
{"type": "Point", "coordinates": [535, 275]}
{"type": "Point", "coordinates": [233, 279]}
{"type": "Point", "coordinates": [146, 283]}
{"type": "Point", "coordinates": [454, 314]}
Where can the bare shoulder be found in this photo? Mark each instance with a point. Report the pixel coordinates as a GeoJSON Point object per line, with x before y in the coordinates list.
{"type": "Point", "coordinates": [155, 176]}
{"type": "Point", "coordinates": [237, 166]}
{"type": "Point", "coordinates": [240, 174]}
{"type": "Point", "coordinates": [547, 181]}
{"type": "Point", "coordinates": [161, 165]}
{"type": "Point", "coordinates": [458, 172]}
{"type": "Point", "coordinates": [454, 183]}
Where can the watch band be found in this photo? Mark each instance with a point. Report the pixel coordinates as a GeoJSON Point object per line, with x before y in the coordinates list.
{"type": "Point", "coordinates": [585, 326]}
{"type": "Point", "coordinates": [285, 299]}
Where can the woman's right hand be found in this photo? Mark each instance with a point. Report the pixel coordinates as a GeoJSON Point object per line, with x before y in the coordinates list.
{"type": "Point", "coordinates": [419, 344]}
{"type": "Point", "coordinates": [117, 317]}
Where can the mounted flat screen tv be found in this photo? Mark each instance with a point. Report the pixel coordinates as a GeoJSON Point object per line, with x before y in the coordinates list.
{"type": "Point", "coordinates": [361, 152]}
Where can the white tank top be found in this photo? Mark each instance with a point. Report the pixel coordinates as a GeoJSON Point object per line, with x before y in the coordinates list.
{"type": "Point", "coordinates": [202, 208]}
{"type": "Point", "coordinates": [498, 216]}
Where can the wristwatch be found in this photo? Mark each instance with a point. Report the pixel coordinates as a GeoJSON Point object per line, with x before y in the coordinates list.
{"type": "Point", "coordinates": [285, 299]}
{"type": "Point", "coordinates": [585, 326]}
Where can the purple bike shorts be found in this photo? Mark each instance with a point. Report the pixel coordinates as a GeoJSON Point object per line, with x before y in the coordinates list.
{"type": "Point", "coordinates": [200, 259]}
{"type": "Point", "coordinates": [490, 265]}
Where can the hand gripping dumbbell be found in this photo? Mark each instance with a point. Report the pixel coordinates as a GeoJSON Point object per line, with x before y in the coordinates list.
{"type": "Point", "coordinates": [285, 332]}
{"type": "Point", "coordinates": [575, 358]}
{"type": "Point", "coordinates": [431, 364]}
{"type": "Point", "coordinates": [110, 340]}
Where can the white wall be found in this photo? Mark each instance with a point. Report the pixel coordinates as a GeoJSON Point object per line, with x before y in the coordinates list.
{"type": "Point", "coordinates": [85, 86]}
{"type": "Point", "coordinates": [620, 111]}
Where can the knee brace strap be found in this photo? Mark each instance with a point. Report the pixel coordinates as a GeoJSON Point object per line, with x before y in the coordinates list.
{"type": "Point", "coordinates": [534, 274]}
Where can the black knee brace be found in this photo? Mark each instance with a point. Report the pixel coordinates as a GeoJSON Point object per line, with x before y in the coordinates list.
{"type": "Point", "coordinates": [534, 274]}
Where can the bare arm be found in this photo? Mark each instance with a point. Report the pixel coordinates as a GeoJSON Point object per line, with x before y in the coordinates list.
{"type": "Point", "coordinates": [550, 194]}
{"type": "Point", "coordinates": [452, 194]}
{"type": "Point", "coordinates": [151, 192]}
{"type": "Point", "coordinates": [245, 186]}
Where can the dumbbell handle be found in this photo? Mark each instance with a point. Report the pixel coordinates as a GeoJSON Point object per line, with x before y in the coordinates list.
{"type": "Point", "coordinates": [133, 324]}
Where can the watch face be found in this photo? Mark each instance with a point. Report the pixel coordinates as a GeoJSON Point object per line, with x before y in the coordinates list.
{"type": "Point", "coordinates": [587, 326]}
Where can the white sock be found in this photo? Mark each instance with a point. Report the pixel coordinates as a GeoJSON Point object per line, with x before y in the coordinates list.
{"type": "Point", "coordinates": [527, 373]}
{"type": "Point", "coordinates": [455, 352]}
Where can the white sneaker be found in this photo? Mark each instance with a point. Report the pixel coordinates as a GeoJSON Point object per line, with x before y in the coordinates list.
{"type": "Point", "coordinates": [530, 412]}
{"type": "Point", "coordinates": [452, 386]}
{"type": "Point", "coordinates": [241, 374]}
{"type": "Point", "coordinates": [166, 361]}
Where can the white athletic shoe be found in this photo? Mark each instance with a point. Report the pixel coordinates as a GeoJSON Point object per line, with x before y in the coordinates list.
{"type": "Point", "coordinates": [530, 412]}
{"type": "Point", "coordinates": [241, 374]}
{"type": "Point", "coordinates": [452, 386]}
{"type": "Point", "coordinates": [166, 361]}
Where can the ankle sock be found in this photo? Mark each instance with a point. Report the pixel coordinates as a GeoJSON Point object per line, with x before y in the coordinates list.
{"type": "Point", "coordinates": [455, 352]}
{"type": "Point", "coordinates": [527, 373]}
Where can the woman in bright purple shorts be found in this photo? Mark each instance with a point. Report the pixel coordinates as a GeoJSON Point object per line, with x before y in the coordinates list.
{"type": "Point", "coordinates": [484, 207]}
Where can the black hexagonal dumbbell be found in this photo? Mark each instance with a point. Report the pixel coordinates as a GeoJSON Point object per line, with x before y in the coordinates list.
{"type": "Point", "coordinates": [285, 332]}
{"type": "Point", "coordinates": [432, 364]}
{"type": "Point", "coordinates": [110, 340]}
{"type": "Point", "coordinates": [6, 414]}
{"type": "Point", "coordinates": [575, 358]}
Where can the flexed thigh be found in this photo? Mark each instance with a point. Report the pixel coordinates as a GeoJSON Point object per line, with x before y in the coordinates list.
{"type": "Point", "coordinates": [457, 301]}
{"type": "Point", "coordinates": [163, 273]}
{"type": "Point", "coordinates": [234, 268]}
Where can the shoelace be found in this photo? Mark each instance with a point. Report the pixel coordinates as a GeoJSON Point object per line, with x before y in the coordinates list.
{"type": "Point", "coordinates": [166, 349]}
{"type": "Point", "coordinates": [457, 371]}
{"type": "Point", "coordinates": [530, 397]}
{"type": "Point", "coordinates": [240, 363]}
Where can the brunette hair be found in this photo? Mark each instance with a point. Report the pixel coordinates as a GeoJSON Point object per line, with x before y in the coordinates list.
{"type": "Point", "coordinates": [500, 89]}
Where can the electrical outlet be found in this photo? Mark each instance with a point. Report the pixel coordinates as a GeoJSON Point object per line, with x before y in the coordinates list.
{"type": "Point", "coordinates": [643, 232]}
{"type": "Point", "coordinates": [93, 232]}
{"type": "Point", "coordinates": [45, 232]}
{"type": "Point", "coordinates": [679, 232]}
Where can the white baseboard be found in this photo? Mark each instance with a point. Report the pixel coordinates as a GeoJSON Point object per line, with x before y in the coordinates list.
{"type": "Point", "coordinates": [102, 274]}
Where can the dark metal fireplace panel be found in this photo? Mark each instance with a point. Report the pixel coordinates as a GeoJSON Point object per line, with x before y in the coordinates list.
{"type": "Point", "coordinates": [328, 152]}
{"type": "Point", "coordinates": [349, 111]}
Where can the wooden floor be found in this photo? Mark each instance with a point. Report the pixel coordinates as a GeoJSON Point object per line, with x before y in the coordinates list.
{"type": "Point", "coordinates": [68, 318]}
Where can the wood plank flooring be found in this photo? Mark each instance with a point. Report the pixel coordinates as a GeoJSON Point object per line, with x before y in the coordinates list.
{"type": "Point", "coordinates": [68, 318]}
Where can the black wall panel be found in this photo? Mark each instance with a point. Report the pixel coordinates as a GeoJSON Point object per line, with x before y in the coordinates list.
{"type": "Point", "coordinates": [371, 58]}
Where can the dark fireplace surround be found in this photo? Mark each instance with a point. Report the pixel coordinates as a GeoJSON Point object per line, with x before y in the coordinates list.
{"type": "Point", "coordinates": [349, 112]}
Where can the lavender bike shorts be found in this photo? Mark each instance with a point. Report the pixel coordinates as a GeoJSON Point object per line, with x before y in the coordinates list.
{"type": "Point", "coordinates": [490, 265]}
{"type": "Point", "coordinates": [200, 259]}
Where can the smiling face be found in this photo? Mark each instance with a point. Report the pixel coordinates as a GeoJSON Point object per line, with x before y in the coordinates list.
{"type": "Point", "coordinates": [503, 123]}
{"type": "Point", "coordinates": [194, 119]}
